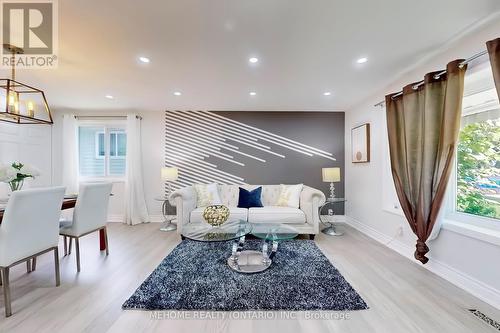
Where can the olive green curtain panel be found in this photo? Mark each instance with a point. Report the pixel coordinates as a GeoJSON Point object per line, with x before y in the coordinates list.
{"type": "Point", "coordinates": [423, 126]}
{"type": "Point", "coordinates": [494, 53]}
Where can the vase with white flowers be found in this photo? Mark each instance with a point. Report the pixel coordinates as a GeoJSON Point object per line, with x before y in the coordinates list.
{"type": "Point", "coordinates": [15, 174]}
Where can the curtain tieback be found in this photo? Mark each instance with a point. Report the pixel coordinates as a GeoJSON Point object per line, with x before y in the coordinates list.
{"type": "Point", "coordinates": [421, 251]}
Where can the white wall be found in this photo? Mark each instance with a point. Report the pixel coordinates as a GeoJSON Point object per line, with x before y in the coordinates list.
{"type": "Point", "coordinates": [153, 155]}
{"type": "Point", "coordinates": [26, 144]}
{"type": "Point", "coordinates": [468, 262]}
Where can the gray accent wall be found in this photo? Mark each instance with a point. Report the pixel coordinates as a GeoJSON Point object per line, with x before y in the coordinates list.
{"type": "Point", "coordinates": [255, 147]}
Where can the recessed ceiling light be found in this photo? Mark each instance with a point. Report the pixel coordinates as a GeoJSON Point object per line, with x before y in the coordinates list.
{"type": "Point", "coordinates": [253, 60]}
{"type": "Point", "coordinates": [252, 93]}
{"type": "Point", "coordinates": [177, 93]}
{"type": "Point", "coordinates": [327, 93]}
{"type": "Point", "coordinates": [109, 96]}
{"type": "Point", "coordinates": [362, 60]}
{"type": "Point", "coordinates": [144, 59]}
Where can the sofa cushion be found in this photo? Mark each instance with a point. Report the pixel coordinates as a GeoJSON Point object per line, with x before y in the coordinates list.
{"type": "Point", "coordinates": [289, 195]}
{"type": "Point", "coordinates": [276, 214]}
{"type": "Point", "coordinates": [229, 194]}
{"type": "Point", "coordinates": [251, 198]}
{"type": "Point", "coordinates": [207, 194]}
{"type": "Point", "coordinates": [235, 213]}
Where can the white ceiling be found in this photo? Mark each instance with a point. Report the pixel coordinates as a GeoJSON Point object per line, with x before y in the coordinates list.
{"type": "Point", "coordinates": [201, 48]}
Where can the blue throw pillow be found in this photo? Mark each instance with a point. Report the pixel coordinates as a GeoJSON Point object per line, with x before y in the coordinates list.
{"type": "Point", "coordinates": [248, 199]}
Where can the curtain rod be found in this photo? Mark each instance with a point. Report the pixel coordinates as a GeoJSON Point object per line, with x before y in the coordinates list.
{"type": "Point", "coordinates": [108, 117]}
{"type": "Point", "coordinates": [418, 84]}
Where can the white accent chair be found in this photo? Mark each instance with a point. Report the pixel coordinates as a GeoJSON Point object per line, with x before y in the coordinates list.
{"type": "Point", "coordinates": [29, 229]}
{"type": "Point", "coordinates": [90, 215]}
{"type": "Point", "coordinates": [304, 219]}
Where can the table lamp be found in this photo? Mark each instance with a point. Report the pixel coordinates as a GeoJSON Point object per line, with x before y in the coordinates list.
{"type": "Point", "coordinates": [331, 175]}
{"type": "Point", "coordinates": [168, 175]}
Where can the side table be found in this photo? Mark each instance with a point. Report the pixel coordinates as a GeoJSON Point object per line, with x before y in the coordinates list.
{"type": "Point", "coordinates": [168, 224]}
{"type": "Point", "coordinates": [331, 229]}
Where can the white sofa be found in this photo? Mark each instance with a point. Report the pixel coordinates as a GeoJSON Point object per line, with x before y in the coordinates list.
{"type": "Point", "coordinates": [305, 218]}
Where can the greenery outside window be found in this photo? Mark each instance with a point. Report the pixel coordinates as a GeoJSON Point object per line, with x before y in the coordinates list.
{"type": "Point", "coordinates": [478, 152]}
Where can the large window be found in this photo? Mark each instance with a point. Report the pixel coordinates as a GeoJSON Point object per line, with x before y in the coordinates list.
{"type": "Point", "coordinates": [102, 150]}
{"type": "Point", "coordinates": [478, 154]}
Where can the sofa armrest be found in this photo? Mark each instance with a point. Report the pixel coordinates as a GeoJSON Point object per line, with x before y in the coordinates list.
{"type": "Point", "coordinates": [310, 201]}
{"type": "Point", "coordinates": [184, 200]}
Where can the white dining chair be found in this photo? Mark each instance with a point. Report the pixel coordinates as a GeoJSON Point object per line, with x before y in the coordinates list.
{"type": "Point", "coordinates": [29, 228]}
{"type": "Point", "coordinates": [90, 215]}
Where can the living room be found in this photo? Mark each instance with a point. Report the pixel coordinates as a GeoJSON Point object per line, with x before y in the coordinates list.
{"type": "Point", "coordinates": [247, 166]}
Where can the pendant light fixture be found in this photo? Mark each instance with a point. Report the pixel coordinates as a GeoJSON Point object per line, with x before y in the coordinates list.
{"type": "Point", "coordinates": [20, 103]}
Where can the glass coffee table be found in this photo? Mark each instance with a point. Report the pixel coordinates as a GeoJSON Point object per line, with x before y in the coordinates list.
{"type": "Point", "coordinates": [204, 232]}
{"type": "Point", "coordinates": [243, 261]}
{"type": "Point", "coordinates": [253, 261]}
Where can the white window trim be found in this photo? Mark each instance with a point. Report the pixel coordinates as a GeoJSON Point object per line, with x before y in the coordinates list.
{"type": "Point", "coordinates": [483, 228]}
{"type": "Point", "coordinates": [472, 230]}
{"type": "Point", "coordinates": [107, 124]}
{"type": "Point", "coordinates": [97, 150]}
{"type": "Point", "coordinates": [117, 157]}
{"type": "Point", "coordinates": [480, 227]}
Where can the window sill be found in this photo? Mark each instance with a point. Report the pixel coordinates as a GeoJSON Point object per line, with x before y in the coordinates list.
{"type": "Point", "coordinates": [102, 179]}
{"type": "Point", "coordinates": [484, 234]}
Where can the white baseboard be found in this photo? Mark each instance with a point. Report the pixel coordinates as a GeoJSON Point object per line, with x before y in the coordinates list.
{"type": "Point", "coordinates": [153, 218]}
{"type": "Point", "coordinates": [475, 287]}
{"type": "Point", "coordinates": [115, 218]}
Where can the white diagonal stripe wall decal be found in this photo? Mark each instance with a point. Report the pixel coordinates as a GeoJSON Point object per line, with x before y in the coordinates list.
{"type": "Point", "coordinates": [267, 136]}
{"type": "Point", "coordinates": [190, 144]}
{"type": "Point", "coordinates": [203, 170]}
{"type": "Point", "coordinates": [210, 114]}
{"type": "Point", "coordinates": [200, 142]}
{"type": "Point", "coordinates": [221, 125]}
{"type": "Point", "coordinates": [215, 128]}
{"type": "Point", "coordinates": [187, 154]}
{"type": "Point", "coordinates": [206, 139]}
{"type": "Point", "coordinates": [199, 161]}
{"type": "Point", "coordinates": [218, 144]}
{"type": "Point", "coordinates": [191, 125]}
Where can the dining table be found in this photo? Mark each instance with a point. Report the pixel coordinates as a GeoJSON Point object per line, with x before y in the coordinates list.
{"type": "Point", "coordinates": [68, 203]}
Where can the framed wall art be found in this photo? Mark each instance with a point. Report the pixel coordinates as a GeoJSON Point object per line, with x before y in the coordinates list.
{"type": "Point", "coordinates": [360, 144]}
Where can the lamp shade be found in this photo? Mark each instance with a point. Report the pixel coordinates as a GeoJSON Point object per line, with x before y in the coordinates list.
{"type": "Point", "coordinates": [169, 174]}
{"type": "Point", "coordinates": [331, 175]}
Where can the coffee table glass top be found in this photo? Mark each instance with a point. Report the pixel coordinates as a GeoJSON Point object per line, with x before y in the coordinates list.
{"type": "Point", "coordinates": [204, 232]}
{"type": "Point", "coordinates": [274, 232]}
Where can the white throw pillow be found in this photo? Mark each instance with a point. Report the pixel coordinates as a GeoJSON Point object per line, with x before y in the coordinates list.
{"type": "Point", "coordinates": [207, 195]}
{"type": "Point", "coordinates": [290, 195]}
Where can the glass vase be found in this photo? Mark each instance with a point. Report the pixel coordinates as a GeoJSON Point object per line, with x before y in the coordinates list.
{"type": "Point", "coordinates": [16, 185]}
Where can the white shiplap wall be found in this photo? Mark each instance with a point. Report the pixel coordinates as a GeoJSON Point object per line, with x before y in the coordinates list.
{"type": "Point", "coordinates": [27, 144]}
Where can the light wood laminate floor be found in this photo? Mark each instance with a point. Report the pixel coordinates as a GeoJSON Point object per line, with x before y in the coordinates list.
{"type": "Point", "coordinates": [403, 297]}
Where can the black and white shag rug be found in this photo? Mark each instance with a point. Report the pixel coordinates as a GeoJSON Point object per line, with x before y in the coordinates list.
{"type": "Point", "coordinates": [195, 276]}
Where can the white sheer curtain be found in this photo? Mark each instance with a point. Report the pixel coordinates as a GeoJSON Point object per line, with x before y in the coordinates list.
{"type": "Point", "coordinates": [135, 204]}
{"type": "Point", "coordinates": [70, 153]}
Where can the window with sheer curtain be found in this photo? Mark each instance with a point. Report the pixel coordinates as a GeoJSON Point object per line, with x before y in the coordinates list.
{"type": "Point", "coordinates": [102, 150]}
